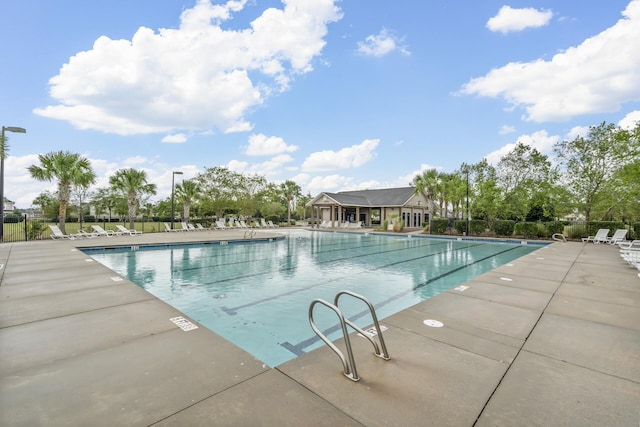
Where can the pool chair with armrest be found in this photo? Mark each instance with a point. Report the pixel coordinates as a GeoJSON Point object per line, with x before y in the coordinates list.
{"type": "Point", "coordinates": [168, 228]}
{"type": "Point", "coordinates": [100, 232]}
{"type": "Point", "coordinates": [56, 233]}
{"type": "Point", "coordinates": [124, 230]}
{"type": "Point", "coordinates": [619, 236]}
{"type": "Point", "coordinates": [600, 237]}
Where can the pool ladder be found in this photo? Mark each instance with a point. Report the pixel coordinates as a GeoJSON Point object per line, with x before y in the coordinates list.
{"type": "Point", "coordinates": [349, 366]}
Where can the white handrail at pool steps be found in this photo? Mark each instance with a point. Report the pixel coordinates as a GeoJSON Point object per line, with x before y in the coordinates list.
{"type": "Point", "coordinates": [349, 367]}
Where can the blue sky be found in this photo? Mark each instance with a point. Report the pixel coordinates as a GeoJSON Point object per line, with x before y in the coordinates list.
{"type": "Point", "coordinates": [335, 95]}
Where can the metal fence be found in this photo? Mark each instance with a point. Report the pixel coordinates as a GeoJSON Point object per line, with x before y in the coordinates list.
{"type": "Point", "coordinates": [25, 228]}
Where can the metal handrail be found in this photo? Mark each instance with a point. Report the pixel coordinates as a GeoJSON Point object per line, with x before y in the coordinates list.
{"type": "Point", "coordinates": [349, 367]}
{"type": "Point", "coordinates": [558, 237]}
{"type": "Point", "coordinates": [384, 354]}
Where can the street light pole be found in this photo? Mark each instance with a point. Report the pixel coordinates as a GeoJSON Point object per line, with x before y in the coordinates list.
{"type": "Point", "coordinates": [173, 189]}
{"type": "Point", "coordinates": [4, 149]}
{"type": "Point", "coordinates": [467, 209]}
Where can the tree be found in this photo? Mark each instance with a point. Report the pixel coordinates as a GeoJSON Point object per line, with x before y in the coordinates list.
{"type": "Point", "coordinates": [70, 170]}
{"type": "Point", "coordinates": [187, 193]}
{"type": "Point", "coordinates": [427, 184]}
{"type": "Point", "coordinates": [44, 200]}
{"type": "Point", "coordinates": [105, 200]}
{"type": "Point", "coordinates": [592, 162]}
{"type": "Point", "coordinates": [133, 184]}
{"type": "Point", "coordinates": [290, 192]}
{"type": "Point", "coordinates": [525, 175]}
{"type": "Point", "coordinates": [487, 194]}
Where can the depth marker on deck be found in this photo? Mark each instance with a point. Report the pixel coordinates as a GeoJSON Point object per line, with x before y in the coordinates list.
{"type": "Point", "coordinates": [183, 323]}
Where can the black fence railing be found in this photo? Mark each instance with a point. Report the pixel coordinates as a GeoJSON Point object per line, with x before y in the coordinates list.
{"type": "Point", "coordinates": [25, 228]}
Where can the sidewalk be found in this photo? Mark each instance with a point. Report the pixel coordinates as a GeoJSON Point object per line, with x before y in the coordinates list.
{"type": "Point", "coordinates": [550, 339]}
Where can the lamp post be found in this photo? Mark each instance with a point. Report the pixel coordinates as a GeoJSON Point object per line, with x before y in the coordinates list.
{"type": "Point", "coordinates": [4, 149]}
{"type": "Point", "coordinates": [173, 189]}
{"type": "Point", "coordinates": [467, 209]}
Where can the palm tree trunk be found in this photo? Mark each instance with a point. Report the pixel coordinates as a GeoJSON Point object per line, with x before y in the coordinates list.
{"type": "Point", "coordinates": [62, 213]}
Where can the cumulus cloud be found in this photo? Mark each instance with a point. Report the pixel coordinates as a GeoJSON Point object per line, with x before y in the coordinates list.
{"type": "Point", "coordinates": [382, 44]}
{"type": "Point", "coordinates": [576, 131]}
{"type": "Point", "coordinates": [509, 19]}
{"type": "Point", "coordinates": [597, 76]}
{"type": "Point", "coordinates": [176, 138]}
{"type": "Point", "coordinates": [630, 121]}
{"type": "Point", "coordinates": [198, 76]}
{"type": "Point", "coordinates": [506, 129]}
{"type": "Point", "coordinates": [349, 157]}
{"type": "Point", "coordinates": [262, 145]}
{"type": "Point", "coordinates": [541, 141]}
{"type": "Point", "coordinates": [330, 183]}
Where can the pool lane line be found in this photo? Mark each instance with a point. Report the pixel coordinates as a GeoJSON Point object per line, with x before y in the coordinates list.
{"type": "Point", "coordinates": [332, 260]}
{"type": "Point", "coordinates": [298, 349]}
{"type": "Point", "coordinates": [232, 311]}
{"type": "Point", "coordinates": [217, 256]}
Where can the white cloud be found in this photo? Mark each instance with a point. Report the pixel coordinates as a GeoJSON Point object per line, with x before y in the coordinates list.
{"type": "Point", "coordinates": [196, 77]}
{"type": "Point", "coordinates": [540, 140]}
{"type": "Point", "coordinates": [506, 129]}
{"type": "Point", "coordinates": [576, 131]}
{"type": "Point", "coordinates": [406, 180]}
{"type": "Point", "coordinates": [273, 166]}
{"type": "Point", "coordinates": [630, 121]}
{"type": "Point", "coordinates": [597, 76]}
{"type": "Point", "coordinates": [261, 145]}
{"type": "Point", "coordinates": [381, 44]}
{"type": "Point", "coordinates": [176, 138]}
{"type": "Point", "coordinates": [509, 19]}
{"type": "Point", "coordinates": [349, 157]}
{"type": "Point", "coordinates": [331, 183]}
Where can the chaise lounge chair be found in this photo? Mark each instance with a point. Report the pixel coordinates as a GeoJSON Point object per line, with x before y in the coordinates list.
{"type": "Point", "coordinates": [99, 231]}
{"type": "Point", "coordinates": [600, 237]}
{"type": "Point", "coordinates": [56, 233]}
{"type": "Point", "coordinates": [123, 230]}
{"type": "Point", "coordinates": [168, 228]}
{"type": "Point", "coordinates": [618, 236]}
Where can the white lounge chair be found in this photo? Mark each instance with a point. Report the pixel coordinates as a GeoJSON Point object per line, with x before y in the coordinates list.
{"type": "Point", "coordinates": [220, 225]}
{"type": "Point", "coordinates": [200, 227]}
{"type": "Point", "coordinates": [634, 244]}
{"type": "Point", "coordinates": [56, 233]}
{"type": "Point", "coordinates": [100, 232]}
{"type": "Point", "coordinates": [185, 226]}
{"type": "Point", "coordinates": [168, 228]}
{"type": "Point", "coordinates": [619, 236]}
{"type": "Point", "coordinates": [263, 223]}
{"type": "Point", "coordinates": [271, 225]}
{"type": "Point", "coordinates": [600, 237]}
{"type": "Point", "coordinates": [124, 230]}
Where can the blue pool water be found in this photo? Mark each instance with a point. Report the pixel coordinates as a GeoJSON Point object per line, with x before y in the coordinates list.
{"type": "Point", "coordinates": [257, 295]}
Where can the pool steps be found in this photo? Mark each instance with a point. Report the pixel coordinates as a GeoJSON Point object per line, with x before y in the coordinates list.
{"type": "Point", "coordinates": [349, 366]}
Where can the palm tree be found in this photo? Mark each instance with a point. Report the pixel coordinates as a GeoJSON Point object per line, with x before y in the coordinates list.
{"type": "Point", "coordinates": [290, 191]}
{"type": "Point", "coordinates": [187, 192]}
{"type": "Point", "coordinates": [133, 184]}
{"type": "Point", "coordinates": [427, 184]}
{"type": "Point", "coordinates": [70, 170]}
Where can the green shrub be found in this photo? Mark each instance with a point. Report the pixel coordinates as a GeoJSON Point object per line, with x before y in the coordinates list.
{"type": "Point", "coordinates": [527, 229]}
{"type": "Point", "coordinates": [460, 225]}
{"type": "Point", "coordinates": [553, 227]}
{"type": "Point", "coordinates": [477, 226]}
{"type": "Point", "coordinates": [504, 227]}
{"type": "Point", "coordinates": [439, 225]}
{"type": "Point", "coordinates": [35, 229]}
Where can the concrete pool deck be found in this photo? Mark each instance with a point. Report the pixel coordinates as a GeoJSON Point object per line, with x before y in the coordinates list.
{"type": "Point", "coordinates": [552, 338]}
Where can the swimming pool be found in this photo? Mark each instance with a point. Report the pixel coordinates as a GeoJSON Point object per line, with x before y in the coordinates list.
{"type": "Point", "coordinates": [257, 295]}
